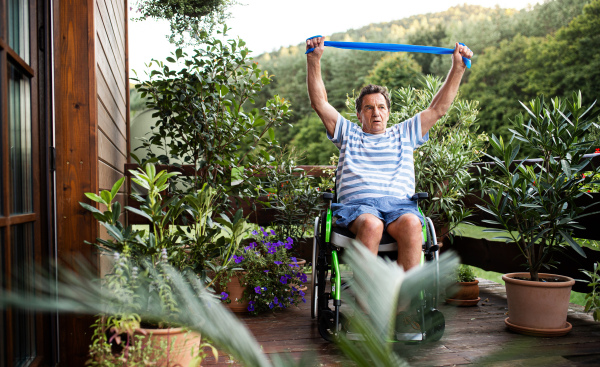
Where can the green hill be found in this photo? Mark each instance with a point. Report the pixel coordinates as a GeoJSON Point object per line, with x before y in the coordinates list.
{"type": "Point", "coordinates": [517, 56]}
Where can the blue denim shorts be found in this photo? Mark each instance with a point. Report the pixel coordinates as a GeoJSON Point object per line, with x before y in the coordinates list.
{"type": "Point", "coordinates": [386, 208]}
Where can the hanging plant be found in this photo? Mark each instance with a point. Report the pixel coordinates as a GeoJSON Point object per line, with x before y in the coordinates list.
{"type": "Point", "coordinates": [196, 18]}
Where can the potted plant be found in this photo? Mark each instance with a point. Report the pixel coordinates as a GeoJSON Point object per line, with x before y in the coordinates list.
{"type": "Point", "coordinates": [465, 290]}
{"type": "Point", "coordinates": [533, 202]}
{"type": "Point", "coordinates": [135, 252]}
{"type": "Point", "coordinates": [223, 141]}
{"type": "Point", "coordinates": [592, 299]}
{"type": "Point", "coordinates": [292, 196]}
{"type": "Point", "coordinates": [272, 278]}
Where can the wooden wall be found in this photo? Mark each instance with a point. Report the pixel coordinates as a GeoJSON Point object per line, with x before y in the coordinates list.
{"type": "Point", "coordinates": [91, 127]}
{"type": "Point", "coordinates": [112, 80]}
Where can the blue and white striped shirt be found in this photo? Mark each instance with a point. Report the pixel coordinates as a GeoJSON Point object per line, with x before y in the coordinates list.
{"type": "Point", "coordinates": [376, 165]}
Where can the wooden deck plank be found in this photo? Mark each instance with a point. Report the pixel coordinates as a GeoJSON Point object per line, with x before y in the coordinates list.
{"type": "Point", "coordinates": [474, 336]}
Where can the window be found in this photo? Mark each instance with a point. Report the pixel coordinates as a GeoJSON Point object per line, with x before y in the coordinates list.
{"type": "Point", "coordinates": [20, 243]}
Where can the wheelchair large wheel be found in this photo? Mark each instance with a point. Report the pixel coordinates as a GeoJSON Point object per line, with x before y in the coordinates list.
{"type": "Point", "coordinates": [314, 297]}
{"type": "Point", "coordinates": [435, 325]}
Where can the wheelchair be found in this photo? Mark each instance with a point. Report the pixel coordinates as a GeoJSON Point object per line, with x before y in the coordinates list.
{"type": "Point", "coordinates": [329, 241]}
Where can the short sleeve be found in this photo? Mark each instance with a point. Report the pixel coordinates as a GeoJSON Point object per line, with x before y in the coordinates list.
{"type": "Point", "coordinates": [411, 130]}
{"type": "Point", "coordinates": [341, 130]}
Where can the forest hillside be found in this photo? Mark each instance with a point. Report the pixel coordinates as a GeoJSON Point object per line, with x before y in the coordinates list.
{"type": "Point", "coordinates": [550, 49]}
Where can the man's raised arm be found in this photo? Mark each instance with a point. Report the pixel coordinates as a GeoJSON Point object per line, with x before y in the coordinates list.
{"type": "Point", "coordinates": [444, 97]}
{"type": "Point", "coordinates": [316, 87]}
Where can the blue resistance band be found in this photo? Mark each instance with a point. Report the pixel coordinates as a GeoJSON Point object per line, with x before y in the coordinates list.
{"type": "Point", "coordinates": [390, 47]}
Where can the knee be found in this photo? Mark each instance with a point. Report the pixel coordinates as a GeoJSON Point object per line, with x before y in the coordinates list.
{"type": "Point", "coordinates": [371, 224]}
{"type": "Point", "coordinates": [406, 225]}
{"type": "Point", "coordinates": [412, 222]}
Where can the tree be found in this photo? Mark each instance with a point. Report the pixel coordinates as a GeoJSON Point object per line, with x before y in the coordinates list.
{"type": "Point", "coordinates": [427, 37]}
{"type": "Point", "coordinates": [576, 48]}
{"type": "Point", "coordinates": [499, 81]}
{"type": "Point", "coordinates": [311, 139]}
{"type": "Point", "coordinates": [395, 71]}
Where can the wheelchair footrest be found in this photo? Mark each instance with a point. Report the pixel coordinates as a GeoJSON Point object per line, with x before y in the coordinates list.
{"type": "Point", "coordinates": [400, 337]}
{"type": "Point", "coordinates": [409, 337]}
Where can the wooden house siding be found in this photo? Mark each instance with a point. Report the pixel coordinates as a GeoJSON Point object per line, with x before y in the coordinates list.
{"type": "Point", "coordinates": [112, 94]}
{"type": "Point", "coordinates": [92, 134]}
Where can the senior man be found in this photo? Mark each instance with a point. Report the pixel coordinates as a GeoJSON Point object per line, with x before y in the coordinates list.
{"type": "Point", "coordinates": [375, 175]}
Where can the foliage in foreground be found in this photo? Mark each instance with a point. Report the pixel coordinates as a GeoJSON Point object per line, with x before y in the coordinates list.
{"type": "Point", "coordinates": [201, 311]}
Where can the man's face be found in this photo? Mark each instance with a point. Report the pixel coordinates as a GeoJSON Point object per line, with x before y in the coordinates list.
{"type": "Point", "coordinates": [374, 114]}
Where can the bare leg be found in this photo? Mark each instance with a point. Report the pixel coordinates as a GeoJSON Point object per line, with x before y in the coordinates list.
{"type": "Point", "coordinates": [368, 230]}
{"type": "Point", "coordinates": [407, 231]}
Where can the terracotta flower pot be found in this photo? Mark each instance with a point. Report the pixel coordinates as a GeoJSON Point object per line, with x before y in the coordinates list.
{"type": "Point", "coordinates": [300, 262]}
{"type": "Point", "coordinates": [182, 345]}
{"type": "Point", "coordinates": [464, 293]}
{"type": "Point", "coordinates": [235, 289]}
{"type": "Point", "coordinates": [538, 308]}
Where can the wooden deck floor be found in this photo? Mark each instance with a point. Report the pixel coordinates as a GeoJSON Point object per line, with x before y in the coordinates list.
{"type": "Point", "coordinates": [474, 336]}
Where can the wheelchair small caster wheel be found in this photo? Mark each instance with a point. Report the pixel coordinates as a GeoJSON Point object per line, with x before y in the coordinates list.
{"type": "Point", "coordinates": [435, 325]}
{"type": "Point", "coordinates": [326, 325]}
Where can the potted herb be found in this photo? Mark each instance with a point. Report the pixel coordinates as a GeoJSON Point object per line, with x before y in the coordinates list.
{"type": "Point", "coordinates": [465, 290]}
{"type": "Point", "coordinates": [533, 202]}
{"type": "Point", "coordinates": [272, 278]}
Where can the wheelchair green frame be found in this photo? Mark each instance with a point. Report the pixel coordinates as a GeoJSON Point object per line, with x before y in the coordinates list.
{"type": "Point", "coordinates": [326, 259]}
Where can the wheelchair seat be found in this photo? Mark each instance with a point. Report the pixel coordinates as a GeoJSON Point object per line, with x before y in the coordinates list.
{"type": "Point", "coordinates": [341, 237]}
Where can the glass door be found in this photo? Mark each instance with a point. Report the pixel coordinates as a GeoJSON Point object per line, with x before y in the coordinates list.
{"type": "Point", "coordinates": [20, 243]}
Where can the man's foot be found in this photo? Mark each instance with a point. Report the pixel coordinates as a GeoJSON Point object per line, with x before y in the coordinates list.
{"type": "Point", "coordinates": [407, 327]}
{"type": "Point", "coordinates": [407, 322]}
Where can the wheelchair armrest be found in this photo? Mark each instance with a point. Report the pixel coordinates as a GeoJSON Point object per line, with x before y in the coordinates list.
{"type": "Point", "coordinates": [419, 196]}
{"type": "Point", "coordinates": [328, 196]}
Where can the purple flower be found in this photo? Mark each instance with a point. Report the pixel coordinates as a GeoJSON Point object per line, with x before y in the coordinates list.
{"type": "Point", "coordinates": [272, 250]}
{"type": "Point", "coordinates": [273, 232]}
{"type": "Point", "coordinates": [283, 279]}
{"type": "Point", "coordinates": [275, 300]}
{"type": "Point", "coordinates": [254, 232]}
{"type": "Point", "coordinates": [303, 278]}
{"type": "Point", "coordinates": [253, 244]}
{"type": "Point", "coordinates": [294, 263]}
{"type": "Point", "coordinates": [301, 293]}
{"type": "Point", "coordinates": [266, 271]}
{"type": "Point", "coordinates": [224, 296]}
{"type": "Point", "coordinates": [257, 290]}
{"type": "Point", "coordinates": [238, 259]}
{"type": "Point", "coordinates": [251, 306]}
{"type": "Point", "coordinates": [287, 245]}
{"type": "Point", "coordinates": [277, 262]}
{"type": "Point", "coordinates": [271, 305]}
{"type": "Point", "coordinates": [290, 240]}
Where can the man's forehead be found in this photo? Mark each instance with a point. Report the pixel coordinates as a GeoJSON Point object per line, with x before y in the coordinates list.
{"type": "Point", "coordinates": [374, 99]}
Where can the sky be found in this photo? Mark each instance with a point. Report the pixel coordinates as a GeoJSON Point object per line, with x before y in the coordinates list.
{"type": "Point", "coordinates": [267, 25]}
